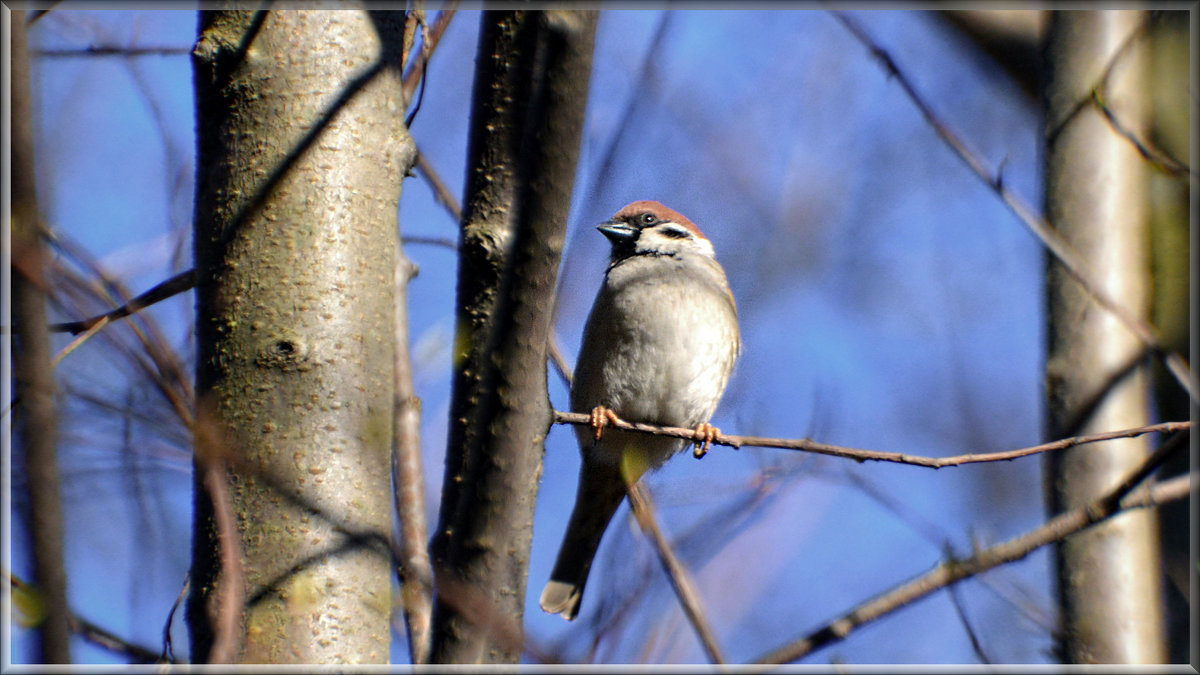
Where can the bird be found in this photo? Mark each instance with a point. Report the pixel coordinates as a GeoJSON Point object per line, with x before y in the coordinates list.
{"type": "Point", "coordinates": [659, 346]}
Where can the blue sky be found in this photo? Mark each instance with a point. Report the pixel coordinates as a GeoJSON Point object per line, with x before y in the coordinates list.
{"type": "Point", "coordinates": [888, 300]}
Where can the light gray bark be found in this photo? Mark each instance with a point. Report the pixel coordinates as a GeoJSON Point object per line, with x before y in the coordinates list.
{"type": "Point", "coordinates": [301, 154]}
{"type": "Point", "coordinates": [1110, 576]}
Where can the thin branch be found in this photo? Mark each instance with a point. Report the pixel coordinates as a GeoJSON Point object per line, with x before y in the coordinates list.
{"type": "Point", "coordinates": [1071, 261]}
{"type": "Point", "coordinates": [85, 629]}
{"type": "Point", "coordinates": [36, 14]}
{"type": "Point", "coordinates": [681, 580]}
{"type": "Point", "coordinates": [109, 640]}
{"type": "Point", "coordinates": [952, 571]}
{"type": "Point", "coordinates": [78, 341]}
{"type": "Point", "coordinates": [961, 611]}
{"type": "Point", "coordinates": [232, 593]}
{"type": "Point", "coordinates": [412, 18]}
{"type": "Point", "coordinates": [430, 241]}
{"type": "Point", "coordinates": [857, 454]}
{"type": "Point", "coordinates": [164, 367]}
{"type": "Point", "coordinates": [212, 458]}
{"type": "Point", "coordinates": [38, 426]}
{"type": "Point", "coordinates": [558, 360]}
{"type": "Point", "coordinates": [440, 191]}
{"type": "Point", "coordinates": [429, 41]}
{"type": "Point", "coordinates": [113, 50]}
{"type": "Point", "coordinates": [1157, 157]}
{"type": "Point", "coordinates": [184, 281]}
{"type": "Point", "coordinates": [168, 652]}
{"type": "Point", "coordinates": [408, 478]}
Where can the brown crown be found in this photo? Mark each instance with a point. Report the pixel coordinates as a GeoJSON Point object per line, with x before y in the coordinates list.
{"type": "Point", "coordinates": [660, 211]}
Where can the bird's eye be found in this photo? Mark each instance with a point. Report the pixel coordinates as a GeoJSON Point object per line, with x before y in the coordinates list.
{"type": "Point", "coordinates": [648, 219]}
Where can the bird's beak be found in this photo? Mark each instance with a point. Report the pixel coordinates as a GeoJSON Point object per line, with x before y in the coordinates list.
{"type": "Point", "coordinates": [617, 231]}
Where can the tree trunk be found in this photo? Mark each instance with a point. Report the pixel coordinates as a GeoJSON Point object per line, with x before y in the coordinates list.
{"type": "Point", "coordinates": [37, 412]}
{"type": "Point", "coordinates": [301, 151]}
{"type": "Point", "coordinates": [1109, 577]}
{"type": "Point", "coordinates": [530, 94]}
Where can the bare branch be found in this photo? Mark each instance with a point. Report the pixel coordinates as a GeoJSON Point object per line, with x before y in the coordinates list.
{"type": "Point", "coordinates": [952, 571]}
{"type": "Point", "coordinates": [232, 593]}
{"type": "Point", "coordinates": [429, 40]}
{"type": "Point", "coordinates": [961, 611]}
{"type": "Point", "coordinates": [85, 629]}
{"type": "Point", "coordinates": [857, 454]}
{"type": "Point", "coordinates": [1038, 225]}
{"type": "Point", "coordinates": [113, 50]}
{"type": "Point", "coordinates": [38, 425]}
{"type": "Point", "coordinates": [440, 191]}
{"type": "Point", "coordinates": [558, 360]}
{"type": "Point", "coordinates": [212, 455]}
{"type": "Point", "coordinates": [168, 652]}
{"type": "Point", "coordinates": [184, 281]}
{"type": "Point", "coordinates": [408, 479]}
{"type": "Point", "coordinates": [681, 580]}
{"type": "Point", "coordinates": [102, 637]}
{"type": "Point", "coordinates": [163, 366]}
{"type": "Point", "coordinates": [1157, 157]}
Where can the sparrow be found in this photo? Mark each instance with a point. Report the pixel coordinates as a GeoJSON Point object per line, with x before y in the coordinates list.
{"type": "Point", "coordinates": [659, 346]}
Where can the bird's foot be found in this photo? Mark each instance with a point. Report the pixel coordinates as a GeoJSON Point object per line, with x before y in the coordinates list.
{"type": "Point", "coordinates": [703, 436]}
{"type": "Point", "coordinates": [601, 416]}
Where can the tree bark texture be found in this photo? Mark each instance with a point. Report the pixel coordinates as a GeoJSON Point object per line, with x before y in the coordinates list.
{"type": "Point", "coordinates": [530, 95]}
{"type": "Point", "coordinates": [1110, 576]}
{"type": "Point", "coordinates": [35, 411]}
{"type": "Point", "coordinates": [301, 150]}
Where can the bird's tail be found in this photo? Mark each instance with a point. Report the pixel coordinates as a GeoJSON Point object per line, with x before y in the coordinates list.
{"type": "Point", "coordinates": [600, 492]}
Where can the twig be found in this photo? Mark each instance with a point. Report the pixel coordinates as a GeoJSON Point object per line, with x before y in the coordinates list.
{"type": "Point", "coordinates": [74, 344]}
{"type": "Point", "coordinates": [88, 630]}
{"type": "Point", "coordinates": [232, 592]}
{"type": "Point", "coordinates": [561, 366]}
{"type": "Point", "coordinates": [177, 284]}
{"type": "Point", "coordinates": [1157, 157]}
{"type": "Point", "coordinates": [440, 192]}
{"type": "Point", "coordinates": [38, 427]}
{"type": "Point", "coordinates": [430, 241]}
{"type": "Point", "coordinates": [213, 458]}
{"type": "Point", "coordinates": [408, 477]}
{"type": "Point", "coordinates": [109, 640]}
{"type": "Point", "coordinates": [1071, 261]}
{"type": "Point", "coordinates": [163, 368]}
{"type": "Point", "coordinates": [429, 41]}
{"type": "Point", "coordinates": [113, 50]}
{"type": "Point", "coordinates": [36, 14]}
{"type": "Point", "coordinates": [806, 445]}
{"type": "Point", "coordinates": [168, 652]}
{"type": "Point", "coordinates": [184, 281]}
{"type": "Point", "coordinates": [681, 580]}
{"type": "Point", "coordinates": [953, 571]}
{"type": "Point", "coordinates": [961, 611]}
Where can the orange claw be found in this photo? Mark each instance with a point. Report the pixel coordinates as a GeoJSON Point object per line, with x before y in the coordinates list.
{"type": "Point", "coordinates": [601, 416]}
{"type": "Point", "coordinates": [704, 435]}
